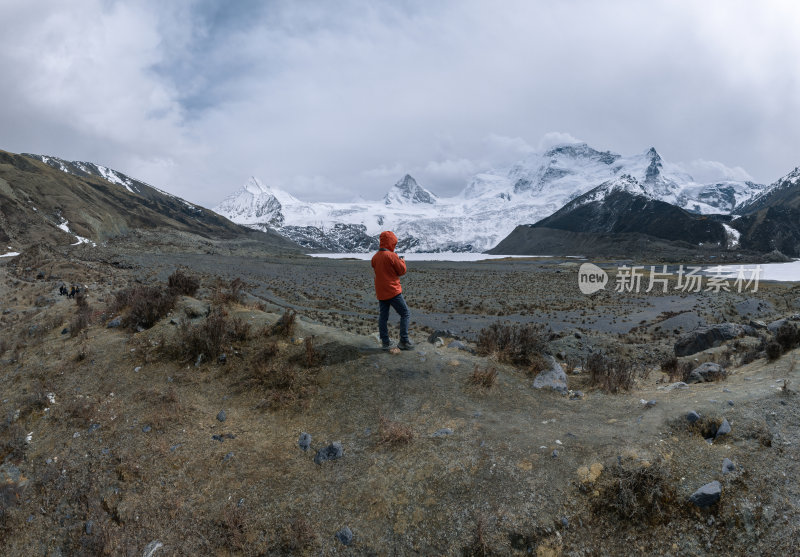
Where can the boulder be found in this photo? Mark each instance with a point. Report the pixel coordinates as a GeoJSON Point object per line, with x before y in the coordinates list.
{"type": "Point", "coordinates": [723, 429]}
{"type": "Point", "coordinates": [553, 378]}
{"type": "Point", "coordinates": [775, 325]}
{"type": "Point", "coordinates": [707, 372]}
{"type": "Point", "coordinates": [706, 495]}
{"type": "Point", "coordinates": [703, 338]}
{"type": "Point", "coordinates": [442, 334]}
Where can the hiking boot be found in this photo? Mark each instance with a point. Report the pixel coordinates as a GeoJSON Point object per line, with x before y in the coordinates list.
{"type": "Point", "coordinates": [406, 345]}
{"type": "Point", "coordinates": [388, 346]}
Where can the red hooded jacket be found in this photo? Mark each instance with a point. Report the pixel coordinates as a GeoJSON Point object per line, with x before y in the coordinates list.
{"type": "Point", "coordinates": [388, 268]}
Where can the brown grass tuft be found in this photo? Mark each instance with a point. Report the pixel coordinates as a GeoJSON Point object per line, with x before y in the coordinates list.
{"type": "Point", "coordinates": [517, 344]}
{"type": "Point", "coordinates": [483, 377]}
{"type": "Point", "coordinates": [394, 433]}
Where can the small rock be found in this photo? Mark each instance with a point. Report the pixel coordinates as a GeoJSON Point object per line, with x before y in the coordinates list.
{"type": "Point", "coordinates": [222, 416]}
{"type": "Point", "coordinates": [649, 403]}
{"type": "Point", "coordinates": [553, 378]}
{"type": "Point", "coordinates": [728, 466]}
{"type": "Point", "coordinates": [442, 333]}
{"type": "Point", "coordinates": [680, 385]}
{"type": "Point", "coordinates": [707, 372]}
{"type": "Point", "coordinates": [222, 358]}
{"type": "Point", "coordinates": [438, 342]}
{"type": "Point", "coordinates": [442, 432]}
{"type": "Point", "coordinates": [345, 535]}
{"type": "Point", "coordinates": [554, 454]}
{"type": "Point", "coordinates": [147, 429]}
{"type": "Point", "coordinates": [175, 447]}
{"type": "Point", "coordinates": [692, 416]}
{"type": "Point", "coordinates": [64, 331]}
{"type": "Point", "coordinates": [227, 457]}
{"type": "Point", "coordinates": [137, 369]}
{"type": "Point", "coordinates": [457, 344]}
{"type": "Point", "coordinates": [575, 395]}
{"type": "Point", "coordinates": [89, 527]}
{"type": "Point", "coordinates": [93, 428]}
{"type": "Point", "coordinates": [151, 548]}
{"type": "Point", "coordinates": [305, 441]}
{"type": "Point", "coordinates": [730, 403]}
{"type": "Point", "coordinates": [706, 495]}
{"type": "Point", "coordinates": [564, 522]}
{"type": "Point", "coordinates": [219, 438]}
{"type": "Point", "coordinates": [723, 429]}
{"type": "Point", "coordinates": [114, 323]}
{"type": "Point", "coordinates": [333, 451]}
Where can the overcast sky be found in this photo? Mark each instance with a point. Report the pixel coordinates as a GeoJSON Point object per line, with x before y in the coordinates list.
{"type": "Point", "coordinates": [330, 100]}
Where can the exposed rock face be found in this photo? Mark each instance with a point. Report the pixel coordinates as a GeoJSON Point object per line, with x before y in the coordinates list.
{"type": "Point", "coordinates": [707, 372]}
{"type": "Point", "coordinates": [704, 338]}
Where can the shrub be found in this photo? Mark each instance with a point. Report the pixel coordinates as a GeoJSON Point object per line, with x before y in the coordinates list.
{"type": "Point", "coordinates": [183, 284]}
{"type": "Point", "coordinates": [231, 293]}
{"type": "Point", "coordinates": [517, 344]}
{"type": "Point", "coordinates": [611, 373]}
{"type": "Point", "coordinates": [285, 384]}
{"type": "Point", "coordinates": [145, 305]}
{"type": "Point", "coordinates": [774, 351]}
{"type": "Point", "coordinates": [787, 336]}
{"type": "Point", "coordinates": [637, 491]}
{"type": "Point", "coordinates": [284, 327]}
{"type": "Point", "coordinates": [483, 377]}
{"type": "Point", "coordinates": [83, 315]}
{"type": "Point", "coordinates": [394, 433]}
{"type": "Point", "coordinates": [206, 339]}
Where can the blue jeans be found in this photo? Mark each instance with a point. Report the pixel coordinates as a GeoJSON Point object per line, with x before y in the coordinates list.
{"type": "Point", "coordinates": [399, 305]}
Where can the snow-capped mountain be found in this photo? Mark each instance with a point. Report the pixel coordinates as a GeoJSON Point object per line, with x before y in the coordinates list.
{"type": "Point", "coordinates": [486, 210]}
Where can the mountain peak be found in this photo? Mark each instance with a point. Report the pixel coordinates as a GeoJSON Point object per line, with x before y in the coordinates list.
{"type": "Point", "coordinates": [255, 186]}
{"type": "Point", "coordinates": [407, 190]}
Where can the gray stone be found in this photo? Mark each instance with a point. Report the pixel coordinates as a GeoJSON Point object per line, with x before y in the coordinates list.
{"type": "Point", "coordinates": [345, 535]}
{"type": "Point", "coordinates": [707, 372]}
{"type": "Point", "coordinates": [703, 338]}
{"type": "Point", "coordinates": [147, 429]}
{"type": "Point", "coordinates": [333, 451]}
{"type": "Point", "coordinates": [575, 395]}
{"type": "Point", "coordinates": [222, 358]}
{"type": "Point", "coordinates": [706, 495]}
{"type": "Point", "coordinates": [728, 466]}
{"type": "Point", "coordinates": [438, 342]}
{"type": "Point", "coordinates": [757, 324]}
{"type": "Point", "coordinates": [775, 325]}
{"type": "Point", "coordinates": [222, 416]}
{"type": "Point", "coordinates": [723, 429]}
{"type": "Point", "coordinates": [227, 457]}
{"type": "Point", "coordinates": [677, 385]}
{"type": "Point", "coordinates": [305, 441]}
{"type": "Point", "coordinates": [442, 432]}
{"type": "Point", "coordinates": [151, 548]}
{"type": "Point", "coordinates": [554, 454]}
{"type": "Point", "coordinates": [552, 378]}
{"type": "Point", "coordinates": [458, 345]}
{"type": "Point", "coordinates": [89, 527]}
{"type": "Point", "coordinates": [442, 333]}
{"type": "Point", "coordinates": [650, 403]}
{"type": "Point", "coordinates": [114, 323]}
{"type": "Point", "coordinates": [692, 416]}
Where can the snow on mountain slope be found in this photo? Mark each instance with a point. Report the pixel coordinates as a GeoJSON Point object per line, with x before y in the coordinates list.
{"type": "Point", "coordinates": [489, 207]}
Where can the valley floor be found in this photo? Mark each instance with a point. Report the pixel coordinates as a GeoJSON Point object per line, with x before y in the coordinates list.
{"type": "Point", "coordinates": [111, 443]}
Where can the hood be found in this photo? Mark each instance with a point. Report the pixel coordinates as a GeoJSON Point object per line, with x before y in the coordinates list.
{"type": "Point", "coordinates": [388, 240]}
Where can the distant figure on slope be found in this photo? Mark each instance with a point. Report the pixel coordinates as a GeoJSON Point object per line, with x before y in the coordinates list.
{"type": "Point", "coordinates": [389, 267]}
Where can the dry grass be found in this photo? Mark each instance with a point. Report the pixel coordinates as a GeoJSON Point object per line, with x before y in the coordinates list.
{"type": "Point", "coordinates": [230, 293]}
{"type": "Point", "coordinates": [611, 373]}
{"type": "Point", "coordinates": [143, 306]}
{"type": "Point", "coordinates": [518, 344]}
{"type": "Point", "coordinates": [285, 326]}
{"type": "Point", "coordinates": [637, 491]}
{"type": "Point", "coordinates": [483, 377]}
{"type": "Point", "coordinates": [183, 284]}
{"type": "Point", "coordinates": [393, 433]}
{"type": "Point", "coordinates": [208, 339]}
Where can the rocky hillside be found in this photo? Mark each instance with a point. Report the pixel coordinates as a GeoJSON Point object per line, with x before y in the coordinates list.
{"type": "Point", "coordinates": [621, 212]}
{"type": "Point", "coordinates": [44, 199]}
{"type": "Point", "coordinates": [771, 222]}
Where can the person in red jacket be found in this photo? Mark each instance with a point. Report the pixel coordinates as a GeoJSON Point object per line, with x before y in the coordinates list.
{"type": "Point", "coordinates": [389, 267]}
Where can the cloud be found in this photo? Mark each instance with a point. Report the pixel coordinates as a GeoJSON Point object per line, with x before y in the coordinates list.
{"type": "Point", "coordinates": [194, 96]}
{"type": "Point", "coordinates": [704, 171]}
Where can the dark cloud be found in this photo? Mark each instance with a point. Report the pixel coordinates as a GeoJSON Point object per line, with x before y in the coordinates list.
{"type": "Point", "coordinates": [330, 100]}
